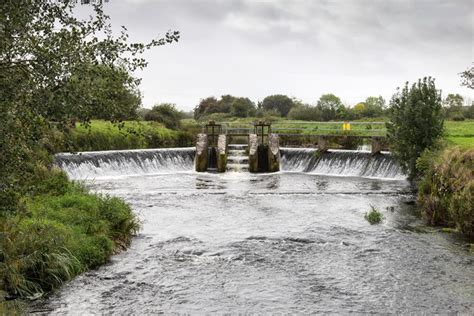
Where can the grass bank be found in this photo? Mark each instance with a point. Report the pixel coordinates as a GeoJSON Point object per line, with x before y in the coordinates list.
{"type": "Point", "coordinates": [103, 135]}
{"type": "Point", "coordinates": [60, 231]}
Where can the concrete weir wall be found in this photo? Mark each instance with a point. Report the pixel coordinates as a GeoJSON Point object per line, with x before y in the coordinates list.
{"type": "Point", "coordinates": [262, 157]}
{"type": "Point", "coordinates": [273, 153]}
{"type": "Point", "coordinates": [201, 153]}
{"type": "Point", "coordinates": [221, 153]}
{"type": "Point", "coordinates": [253, 153]}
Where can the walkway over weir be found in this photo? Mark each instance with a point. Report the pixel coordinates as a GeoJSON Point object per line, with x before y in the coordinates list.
{"type": "Point", "coordinates": [261, 141]}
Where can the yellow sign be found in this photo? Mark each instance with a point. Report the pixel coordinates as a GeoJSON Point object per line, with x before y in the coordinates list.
{"type": "Point", "coordinates": [346, 126]}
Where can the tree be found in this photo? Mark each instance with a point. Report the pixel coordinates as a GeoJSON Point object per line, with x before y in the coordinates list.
{"type": "Point", "coordinates": [113, 93]}
{"type": "Point", "coordinates": [374, 106]}
{"type": "Point", "coordinates": [359, 109]}
{"type": "Point", "coordinates": [278, 102]}
{"type": "Point", "coordinates": [242, 107]}
{"type": "Point", "coordinates": [44, 49]}
{"type": "Point", "coordinates": [329, 104]}
{"type": "Point", "coordinates": [305, 112]}
{"type": "Point", "coordinates": [467, 78]}
{"type": "Point", "coordinates": [206, 105]}
{"type": "Point", "coordinates": [165, 113]}
{"type": "Point", "coordinates": [415, 122]}
{"type": "Point", "coordinates": [454, 106]}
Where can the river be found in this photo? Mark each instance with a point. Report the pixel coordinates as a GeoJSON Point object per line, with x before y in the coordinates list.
{"type": "Point", "coordinates": [291, 242]}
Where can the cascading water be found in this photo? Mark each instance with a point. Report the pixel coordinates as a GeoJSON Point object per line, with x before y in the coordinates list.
{"type": "Point", "coordinates": [341, 163]}
{"type": "Point", "coordinates": [287, 242]}
{"type": "Point", "coordinates": [237, 158]}
{"type": "Point", "coordinates": [125, 162]}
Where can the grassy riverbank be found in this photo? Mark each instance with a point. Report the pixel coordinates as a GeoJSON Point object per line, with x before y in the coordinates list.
{"type": "Point", "coordinates": [103, 135]}
{"type": "Point", "coordinates": [60, 231]}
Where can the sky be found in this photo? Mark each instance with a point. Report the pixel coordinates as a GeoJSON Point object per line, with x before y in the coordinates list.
{"type": "Point", "coordinates": [255, 48]}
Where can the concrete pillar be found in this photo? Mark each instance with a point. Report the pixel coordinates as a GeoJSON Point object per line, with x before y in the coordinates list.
{"type": "Point", "coordinates": [221, 153]}
{"type": "Point", "coordinates": [323, 144]}
{"type": "Point", "coordinates": [376, 145]}
{"type": "Point", "coordinates": [253, 153]}
{"type": "Point", "coordinates": [201, 153]}
{"type": "Point", "coordinates": [273, 153]}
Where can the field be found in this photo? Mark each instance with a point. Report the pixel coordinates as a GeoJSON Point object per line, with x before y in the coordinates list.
{"type": "Point", "coordinates": [459, 133]}
{"type": "Point", "coordinates": [104, 135]}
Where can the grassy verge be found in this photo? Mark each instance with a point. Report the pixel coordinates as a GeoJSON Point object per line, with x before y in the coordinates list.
{"type": "Point", "coordinates": [103, 135]}
{"type": "Point", "coordinates": [60, 231]}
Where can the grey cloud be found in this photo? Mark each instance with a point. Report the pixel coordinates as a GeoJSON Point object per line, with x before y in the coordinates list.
{"type": "Point", "coordinates": [373, 44]}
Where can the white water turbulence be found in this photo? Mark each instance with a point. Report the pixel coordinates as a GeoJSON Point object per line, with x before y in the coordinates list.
{"type": "Point", "coordinates": [341, 163]}
{"type": "Point", "coordinates": [99, 164]}
{"type": "Point", "coordinates": [281, 243]}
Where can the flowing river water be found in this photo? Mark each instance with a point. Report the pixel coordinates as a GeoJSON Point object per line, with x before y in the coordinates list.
{"type": "Point", "coordinates": [295, 241]}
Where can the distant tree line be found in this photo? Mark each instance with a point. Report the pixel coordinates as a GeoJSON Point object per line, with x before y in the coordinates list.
{"type": "Point", "coordinates": [328, 107]}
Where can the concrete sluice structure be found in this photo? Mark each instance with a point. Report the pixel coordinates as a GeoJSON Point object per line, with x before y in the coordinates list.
{"type": "Point", "coordinates": [261, 154]}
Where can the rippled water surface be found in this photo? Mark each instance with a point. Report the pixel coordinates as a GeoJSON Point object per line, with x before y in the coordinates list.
{"type": "Point", "coordinates": [285, 242]}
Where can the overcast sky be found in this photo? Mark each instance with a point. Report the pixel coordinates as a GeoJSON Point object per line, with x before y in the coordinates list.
{"type": "Point", "coordinates": [353, 49]}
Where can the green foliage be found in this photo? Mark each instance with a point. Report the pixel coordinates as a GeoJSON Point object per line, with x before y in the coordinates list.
{"type": "Point", "coordinates": [227, 104]}
{"type": "Point", "coordinates": [446, 190]}
{"type": "Point", "coordinates": [305, 112]}
{"type": "Point", "coordinates": [278, 102]}
{"type": "Point", "coordinates": [467, 78]}
{"type": "Point", "coordinates": [112, 93]}
{"type": "Point", "coordinates": [242, 107]}
{"type": "Point", "coordinates": [61, 234]}
{"type": "Point", "coordinates": [374, 107]}
{"type": "Point", "coordinates": [373, 216]}
{"type": "Point", "coordinates": [165, 113]}
{"type": "Point", "coordinates": [416, 122]}
{"type": "Point", "coordinates": [103, 135]}
{"type": "Point", "coordinates": [329, 105]}
{"type": "Point", "coordinates": [56, 69]}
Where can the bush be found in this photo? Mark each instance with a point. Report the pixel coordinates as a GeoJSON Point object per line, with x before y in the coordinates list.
{"type": "Point", "coordinates": [416, 122]}
{"type": "Point", "coordinates": [446, 190]}
{"type": "Point", "coordinates": [165, 113]}
{"type": "Point", "coordinates": [305, 113]}
{"type": "Point", "coordinates": [373, 216]}
{"type": "Point", "coordinates": [458, 117]}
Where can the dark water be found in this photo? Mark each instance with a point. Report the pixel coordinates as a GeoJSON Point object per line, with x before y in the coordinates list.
{"type": "Point", "coordinates": [290, 242]}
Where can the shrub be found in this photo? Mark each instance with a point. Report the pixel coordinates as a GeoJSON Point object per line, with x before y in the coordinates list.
{"type": "Point", "coordinates": [445, 192]}
{"type": "Point", "coordinates": [416, 122]}
{"type": "Point", "coordinates": [165, 113]}
{"type": "Point", "coordinates": [458, 117]}
{"type": "Point", "coordinates": [373, 216]}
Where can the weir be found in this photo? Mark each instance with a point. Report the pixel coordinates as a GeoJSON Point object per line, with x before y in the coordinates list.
{"type": "Point", "coordinates": [118, 163]}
